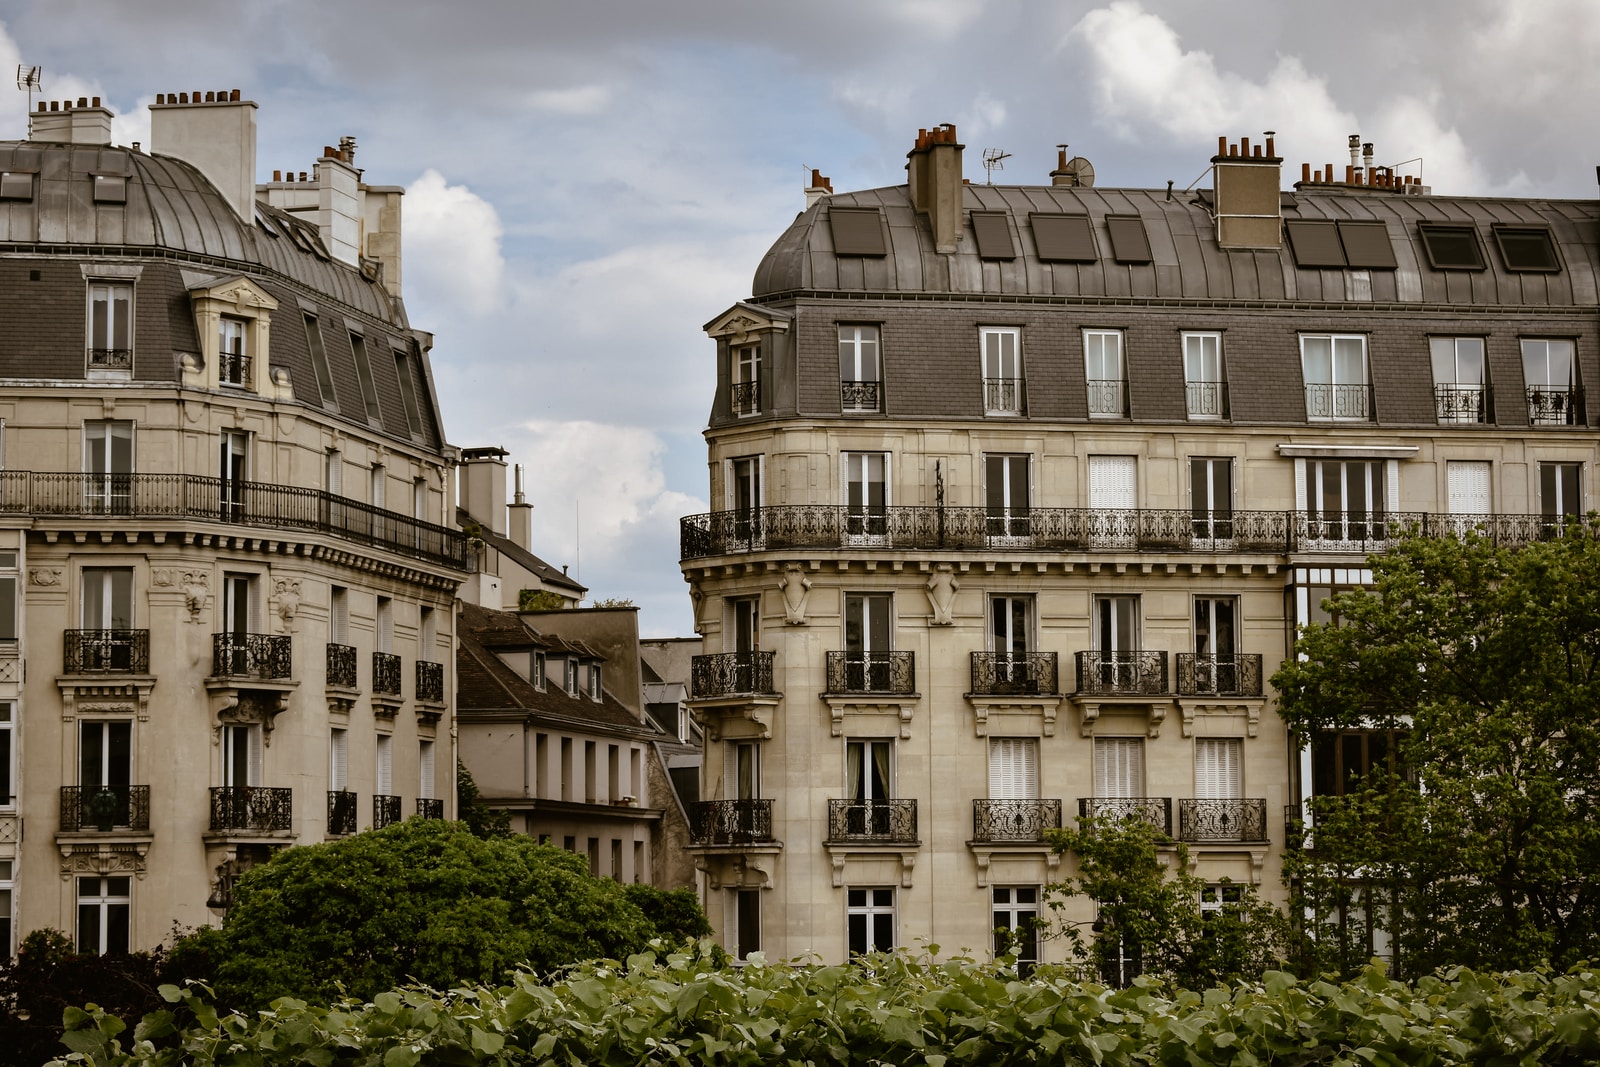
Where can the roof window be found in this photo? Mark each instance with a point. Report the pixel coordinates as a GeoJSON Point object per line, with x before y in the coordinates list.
{"type": "Point", "coordinates": [1324, 243]}
{"type": "Point", "coordinates": [1366, 245]}
{"type": "Point", "coordinates": [1129, 243]}
{"type": "Point", "coordinates": [1064, 238]}
{"type": "Point", "coordinates": [857, 231]}
{"type": "Point", "coordinates": [110, 189]}
{"type": "Point", "coordinates": [993, 234]}
{"type": "Point", "coordinates": [1451, 247]}
{"type": "Point", "coordinates": [14, 186]}
{"type": "Point", "coordinates": [1527, 248]}
{"type": "Point", "coordinates": [1315, 243]}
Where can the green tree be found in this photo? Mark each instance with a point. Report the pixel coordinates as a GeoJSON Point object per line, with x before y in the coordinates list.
{"type": "Point", "coordinates": [1481, 845]}
{"type": "Point", "coordinates": [423, 900]}
{"type": "Point", "coordinates": [539, 600]}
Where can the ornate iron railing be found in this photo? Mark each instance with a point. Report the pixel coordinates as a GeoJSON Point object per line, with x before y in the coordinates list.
{"type": "Point", "coordinates": [105, 651]}
{"type": "Point", "coordinates": [386, 673]}
{"type": "Point", "coordinates": [1157, 811]}
{"type": "Point", "coordinates": [385, 810]}
{"type": "Point", "coordinates": [1002, 396]}
{"type": "Point", "coordinates": [1554, 405]}
{"type": "Point", "coordinates": [267, 657]}
{"type": "Point", "coordinates": [341, 811]}
{"type": "Point", "coordinates": [254, 808]}
{"type": "Point", "coordinates": [723, 674]}
{"type": "Point", "coordinates": [234, 368]}
{"type": "Point", "coordinates": [1142, 672]}
{"type": "Point", "coordinates": [1236, 674]}
{"type": "Point", "coordinates": [1461, 403]}
{"type": "Point", "coordinates": [871, 672]}
{"type": "Point", "coordinates": [1207, 400]}
{"type": "Point", "coordinates": [1014, 820]}
{"type": "Point", "coordinates": [746, 397]}
{"type": "Point", "coordinates": [342, 666]}
{"type": "Point", "coordinates": [261, 504]}
{"type": "Point", "coordinates": [1326, 402]}
{"type": "Point", "coordinates": [430, 681]}
{"type": "Point", "coordinates": [730, 822]}
{"type": "Point", "coordinates": [105, 807]}
{"type": "Point", "coordinates": [887, 821]}
{"type": "Point", "coordinates": [111, 358]}
{"type": "Point", "coordinates": [1222, 820]}
{"type": "Point", "coordinates": [430, 807]}
{"type": "Point", "coordinates": [861, 396]}
{"type": "Point", "coordinates": [1009, 673]}
{"type": "Point", "coordinates": [1108, 397]}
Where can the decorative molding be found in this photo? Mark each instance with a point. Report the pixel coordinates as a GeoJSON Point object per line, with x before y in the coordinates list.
{"type": "Point", "coordinates": [102, 854]}
{"type": "Point", "coordinates": [125, 696]}
{"type": "Point", "coordinates": [196, 592]}
{"type": "Point", "coordinates": [44, 577]}
{"type": "Point", "coordinates": [286, 592]}
{"type": "Point", "coordinates": [983, 854]}
{"type": "Point", "coordinates": [1249, 709]}
{"type": "Point", "coordinates": [1040, 710]}
{"type": "Point", "coordinates": [942, 586]}
{"type": "Point", "coordinates": [235, 705]}
{"type": "Point", "coordinates": [900, 707]}
{"type": "Point", "coordinates": [796, 589]}
{"type": "Point", "coordinates": [1154, 711]}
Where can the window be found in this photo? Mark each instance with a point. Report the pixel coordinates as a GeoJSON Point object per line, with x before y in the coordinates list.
{"type": "Point", "coordinates": [1011, 624]}
{"type": "Point", "coordinates": [425, 769]}
{"type": "Point", "coordinates": [1347, 500]}
{"type": "Point", "coordinates": [1467, 487]}
{"type": "Point", "coordinates": [571, 685]}
{"type": "Point", "coordinates": [857, 231]}
{"type": "Point", "coordinates": [1314, 586]}
{"type": "Point", "coordinates": [594, 856]}
{"type": "Point", "coordinates": [1219, 769]}
{"type": "Point", "coordinates": [338, 759]}
{"type": "Point", "coordinates": [860, 371]}
{"type": "Point", "coordinates": [1340, 759]}
{"type": "Point", "coordinates": [594, 681]}
{"type": "Point", "coordinates": [319, 363]}
{"type": "Point", "coordinates": [1063, 238]}
{"type": "Point", "coordinates": [614, 783]}
{"type": "Point", "coordinates": [1006, 495]}
{"type": "Point", "coordinates": [744, 770]}
{"type": "Point", "coordinates": [870, 919]}
{"type": "Point", "coordinates": [233, 468]}
{"type": "Point", "coordinates": [110, 189]}
{"type": "Point", "coordinates": [590, 777]}
{"type": "Point", "coordinates": [8, 602]}
{"type": "Point", "coordinates": [384, 623]}
{"type": "Point", "coordinates": [1324, 243]}
{"type": "Point", "coordinates": [108, 465]}
{"type": "Point", "coordinates": [1015, 924]}
{"type": "Point", "coordinates": [1451, 247]}
{"type": "Point", "coordinates": [1335, 368]}
{"type": "Point", "coordinates": [240, 611]}
{"type": "Point", "coordinates": [1527, 248]}
{"type": "Point", "coordinates": [538, 671]}
{"type": "Point", "coordinates": [408, 392]}
{"type": "Point", "coordinates": [1204, 385]}
{"type": "Point", "coordinates": [1102, 357]}
{"type": "Point", "coordinates": [241, 756]}
{"type": "Point", "coordinates": [745, 623]}
{"type": "Point", "coordinates": [1216, 666]}
{"type": "Point", "coordinates": [866, 479]}
{"type": "Point", "coordinates": [333, 471]}
{"type": "Point", "coordinates": [233, 366]}
{"type": "Point", "coordinates": [869, 785]}
{"type": "Point", "coordinates": [566, 775]}
{"type": "Point", "coordinates": [383, 770]}
{"type": "Point", "coordinates": [744, 496]}
{"type": "Point", "coordinates": [1116, 665]}
{"type": "Point", "coordinates": [1550, 375]}
{"type": "Point", "coordinates": [1002, 370]}
{"type": "Point", "coordinates": [339, 615]}
{"type": "Point", "coordinates": [1560, 493]}
{"type": "Point", "coordinates": [15, 185]}
{"type": "Point", "coordinates": [616, 860]}
{"type": "Point", "coordinates": [419, 499]}
{"type": "Point", "coordinates": [1129, 242]}
{"type": "Point", "coordinates": [747, 921]}
{"type": "Point", "coordinates": [868, 640]}
{"type": "Point", "coordinates": [8, 796]}
{"type": "Point", "coordinates": [110, 326]}
{"type": "Point", "coordinates": [1211, 497]}
{"type": "Point", "coordinates": [746, 391]}
{"type": "Point", "coordinates": [106, 602]}
{"type": "Point", "coordinates": [1219, 897]}
{"type": "Point", "coordinates": [993, 234]}
{"type": "Point", "coordinates": [7, 885]}
{"type": "Point", "coordinates": [1458, 378]}
{"type": "Point", "coordinates": [105, 763]}
{"type": "Point", "coordinates": [1113, 487]}
{"type": "Point", "coordinates": [103, 906]}
{"type": "Point", "coordinates": [427, 633]}
{"type": "Point", "coordinates": [1013, 768]}
{"type": "Point", "coordinates": [369, 391]}
{"type": "Point", "coordinates": [1116, 628]}
{"type": "Point", "coordinates": [1118, 767]}
{"type": "Point", "coordinates": [379, 476]}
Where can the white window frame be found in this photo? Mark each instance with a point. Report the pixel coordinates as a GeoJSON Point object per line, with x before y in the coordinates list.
{"type": "Point", "coordinates": [104, 900]}
{"type": "Point", "coordinates": [1459, 395]}
{"type": "Point", "coordinates": [233, 352]}
{"type": "Point", "coordinates": [860, 366]}
{"type": "Point", "coordinates": [425, 769]}
{"type": "Point", "coordinates": [869, 909]}
{"type": "Point", "coordinates": [745, 942]}
{"type": "Point", "coordinates": [1000, 349]}
{"type": "Point", "coordinates": [103, 291]}
{"type": "Point", "coordinates": [1006, 518]}
{"type": "Point", "coordinates": [333, 472]}
{"type": "Point", "coordinates": [1011, 638]}
{"type": "Point", "coordinates": [1338, 528]}
{"type": "Point", "coordinates": [1335, 393]}
{"type": "Point", "coordinates": [1011, 914]}
{"type": "Point", "coordinates": [249, 735]}
{"type": "Point", "coordinates": [338, 759]}
{"type": "Point", "coordinates": [8, 755]}
{"type": "Point", "coordinates": [1103, 352]}
{"type": "Point", "coordinates": [8, 913]}
{"type": "Point", "coordinates": [383, 764]}
{"type": "Point", "coordinates": [1013, 768]}
{"type": "Point", "coordinates": [1212, 518]}
{"type": "Point", "coordinates": [1128, 753]}
{"type": "Point", "coordinates": [745, 367]}
{"type": "Point", "coordinates": [1550, 402]}
{"type": "Point", "coordinates": [864, 523]}
{"type": "Point", "coordinates": [1204, 376]}
{"type": "Point", "coordinates": [102, 490]}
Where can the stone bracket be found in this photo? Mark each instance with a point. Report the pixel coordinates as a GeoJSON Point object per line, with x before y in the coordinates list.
{"type": "Point", "coordinates": [901, 706]}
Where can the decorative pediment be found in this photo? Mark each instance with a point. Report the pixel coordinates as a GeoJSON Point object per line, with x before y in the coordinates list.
{"type": "Point", "coordinates": [237, 291]}
{"type": "Point", "coordinates": [742, 322]}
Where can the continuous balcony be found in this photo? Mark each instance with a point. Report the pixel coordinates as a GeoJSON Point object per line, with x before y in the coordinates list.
{"type": "Point", "coordinates": [430, 808]}
{"type": "Point", "coordinates": [386, 674]}
{"type": "Point", "coordinates": [105, 808]}
{"type": "Point", "coordinates": [1157, 811]}
{"type": "Point", "coordinates": [1222, 821]}
{"type": "Point", "coordinates": [725, 674]}
{"type": "Point", "coordinates": [342, 666]}
{"type": "Point", "coordinates": [884, 822]}
{"type": "Point", "coordinates": [871, 672]}
{"type": "Point", "coordinates": [430, 681]}
{"type": "Point", "coordinates": [1230, 675]}
{"type": "Point", "coordinates": [730, 822]}
{"type": "Point", "coordinates": [251, 809]}
{"type": "Point", "coordinates": [1014, 821]}
{"type": "Point", "coordinates": [1140, 672]}
{"type": "Point", "coordinates": [105, 651]}
{"type": "Point", "coordinates": [1014, 673]}
{"type": "Point", "coordinates": [341, 812]}
{"type": "Point", "coordinates": [45, 494]}
{"type": "Point", "coordinates": [385, 810]}
{"type": "Point", "coordinates": [263, 657]}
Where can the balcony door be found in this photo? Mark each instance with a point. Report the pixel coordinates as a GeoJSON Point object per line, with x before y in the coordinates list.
{"type": "Point", "coordinates": [866, 481]}
{"type": "Point", "coordinates": [1467, 493]}
{"type": "Point", "coordinates": [108, 466]}
{"type": "Point", "coordinates": [1118, 767]}
{"type": "Point", "coordinates": [1113, 498]}
{"type": "Point", "coordinates": [1116, 636]}
{"type": "Point", "coordinates": [1013, 768]}
{"type": "Point", "coordinates": [234, 471]}
{"type": "Point", "coordinates": [107, 611]}
{"type": "Point", "coordinates": [745, 620]}
{"type": "Point", "coordinates": [1006, 495]}
{"type": "Point", "coordinates": [1347, 500]}
{"type": "Point", "coordinates": [1211, 497]}
{"type": "Point", "coordinates": [105, 763]}
{"type": "Point", "coordinates": [867, 637]}
{"type": "Point", "coordinates": [1215, 624]}
{"type": "Point", "coordinates": [241, 755]}
{"type": "Point", "coordinates": [869, 770]}
{"type": "Point", "coordinates": [744, 497]}
{"type": "Point", "coordinates": [1218, 768]}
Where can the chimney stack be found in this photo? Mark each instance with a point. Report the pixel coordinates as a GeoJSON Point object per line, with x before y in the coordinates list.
{"type": "Point", "coordinates": [820, 187]}
{"type": "Point", "coordinates": [216, 135]}
{"type": "Point", "coordinates": [1249, 212]}
{"type": "Point", "coordinates": [483, 486]}
{"type": "Point", "coordinates": [521, 532]}
{"type": "Point", "coordinates": [933, 170]}
{"type": "Point", "coordinates": [62, 122]}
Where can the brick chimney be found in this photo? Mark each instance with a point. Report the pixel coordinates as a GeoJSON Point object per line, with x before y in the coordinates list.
{"type": "Point", "coordinates": [214, 132]}
{"type": "Point", "coordinates": [821, 187]}
{"type": "Point", "coordinates": [62, 122]}
{"type": "Point", "coordinates": [483, 486]}
{"type": "Point", "coordinates": [1248, 208]}
{"type": "Point", "coordinates": [933, 171]}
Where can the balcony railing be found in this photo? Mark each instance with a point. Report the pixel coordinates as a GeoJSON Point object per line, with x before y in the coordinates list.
{"type": "Point", "coordinates": [261, 504]}
{"type": "Point", "coordinates": [111, 358]}
{"type": "Point", "coordinates": [724, 674]}
{"type": "Point", "coordinates": [1461, 403]}
{"type": "Point", "coordinates": [1200, 821]}
{"type": "Point", "coordinates": [342, 666]}
{"type": "Point", "coordinates": [1157, 811]}
{"type": "Point", "coordinates": [892, 822]}
{"type": "Point", "coordinates": [105, 651]}
{"type": "Point", "coordinates": [1002, 396]}
{"type": "Point", "coordinates": [746, 397]}
{"type": "Point", "coordinates": [1207, 400]}
{"type": "Point", "coordinates": [266, 657]}
{"type": "Point", "coordinates": [861, 396]}
{"type": "Point", "coordinates": [1338, 403]}
{"type": "Point", "coordinates": [1014, 820]}
{"type": "Point", "coordinates": [105, 807]}
{"type": "Point", "coordinates": [430, 807]}
{"type": "Point", "coordinates": [430, 681]}
{"type": "Point", "coordinates": [1225, 675]}
{"type": "Point", "coordinates": [341, 811]}
{"type": "Point", "coordinates": [1013, 673]}
{"type": "Point", "coordinates": [730, 822]}
{"type": "Point", "coordinates": [234, 368]}
{"type": "Point", "coordinates": [386, 674]}
{"type": "Point", "coordinates": [1136, 673]}
{"type": "Point", "coordinates": [871, 672]}
{"type": "Point", "coordinates": [251, 808]}
{"type": "Point", "coordinates": [1554, 405]}
{"type": "Point", "coordinates": [385, 810]}
{"type": "Point", "coordinates": [1108, 397]}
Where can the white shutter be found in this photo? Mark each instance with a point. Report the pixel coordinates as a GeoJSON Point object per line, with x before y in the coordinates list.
{"type": "Point", "coordinates": [1013, 768]}
{"type": "Point", "coordinates": [253, 742]}
{"type": "Point", "coordinates": [1468, 486]}
{"type": "Point", "coordinates": [1218, 769]}
{"type": "Point", "coordinates": [1118, 767]}
{"type": "Point", "coordinates": [338, 760]}
{"type": "Point", "coordinates": [425, 769]}
{"type": "Point", "coordinates": [385, 769]}
{"type": "Point", "coordinates": [1112, 484]}
{"type": "Point", "coordinates": [1392, 478]}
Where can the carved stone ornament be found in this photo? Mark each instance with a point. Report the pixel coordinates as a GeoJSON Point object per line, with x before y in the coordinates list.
{"type": "Point", "coordinates": [44, 577]}
{"type": "Point", "coordinates": [196, 592]}
{"type": "Point", "coordinates": [942, 587]}
{"type": "Point", "coordinates": [796, 589]}
{"type": "Point", "coordinates": [287, 592]}
{"type": "Point", "coordinates": [163, 577]}
{"type": "Point", "coordinates": [698, 596]}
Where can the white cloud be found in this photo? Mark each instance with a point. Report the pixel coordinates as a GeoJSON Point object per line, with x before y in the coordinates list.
{"type": "Point", "coordinates": [578, 100]}
{"type": "Point", "coordinates": [452, 245]}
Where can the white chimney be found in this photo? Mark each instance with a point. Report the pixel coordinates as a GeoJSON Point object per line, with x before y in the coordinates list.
{"type": "Point", "coordinates": [521, 532]}
{"type": "Point", "coordinates": [339, 205]}
{"type": "Point", "coordinates": [380, 230]}
{"type": "Point", "coordinates": [216, 133]}
{"type": "Point", "coordinates": [483, 486]}
{"type": "Point", "coordinates": [63, 123]}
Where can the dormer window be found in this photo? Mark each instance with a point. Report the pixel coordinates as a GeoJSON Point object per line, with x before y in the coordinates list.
{"type": "Point", "coordinates": [233, 317]}
{"type": "Point", "coordinates": [15, 186]}
{"type": "Point", "coordinates": [746, 391]}
{"type": "Point", "coordinates": [110, 326]}
{"type": "Point", "coordinates": [572, 676]}
{"type": "Point", "coordinates": [538, 671]}
{"type": "Point", "coordinates": [594, 681]}
{"type": "Point", "coordinates": [110, 189]}
{"type": "Point", "coordinates": [233, 357]}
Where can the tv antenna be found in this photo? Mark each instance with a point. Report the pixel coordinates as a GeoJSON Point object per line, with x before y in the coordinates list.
{"type": "Point", "coordinates": [993, 160]}
{"type": "Point", "coordinates": [30, 80]}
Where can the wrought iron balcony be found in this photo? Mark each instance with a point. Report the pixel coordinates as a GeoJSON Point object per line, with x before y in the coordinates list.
{"type": "Point", "coordinates": [234, 368]}
{"type": "Point", "coordinates": [385, 810]}
{"type": "Point", "coordinates": [1108, 397]}
{"type": "Point", "coordinates": [430, 681]}
{"type": "Point", "coordinates": [1461, 403]}
{"type": "Point", "coordinates": [258, 504]}
{"type": "Point", "coordinates": [889, 822]}
{"type": "Point", "coordinates": [1002, 396]}
{"type": "Point", "coordinates": [105, 807]}
{"type": "Point", "coordinates": [386, 674]}
{"type": "Point", "coordinates": [724, 674]}
{"type": "Point", "coordinates": [111, 358]}
{"type": "Point", "coordinates": [1326, 402]}
{"type": "Point", "coordinates": [1234, 675]}
{"type": "Point", "coordinates": [265, 657]}
{"type": "Point", "coordinates": [1200, 821]}
{"type": "Point", "coordinates": [1136, 673]}
{"type": "Point", "coordinates": [730, 822]}
{"type": "Point", "coordinates": [746, 397]}
{"type": "Point", "coordinates": [251, 808]}
{"type": "Point", "coordinates": [1014, 673]}
{"type": "Point", "coordinates": [105, 651]}
{"type": "Point", "coordinates": [341, 811]}
{"type": "Point", "coordinates": [871, 672]}
{"type": "Point", "coordinates": [1157, 811]}
{"type": "Point", "coordinates": [1554, 405]}
{"type": "Point", "coordinates": [861, 396]}
{"type": "Point", "coordinates": [342, 666]}
{"type": "Point", "coordinates": [1207, 400]}
{"type": "Point", "coordinates": [430, 807]}
{"type": "Point", "coordinates": [1014, 820]}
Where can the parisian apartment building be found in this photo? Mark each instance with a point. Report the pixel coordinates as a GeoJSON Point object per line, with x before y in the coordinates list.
{"type": "Point", "coordinates": [228, 548]}
{"type": "Point", "coordinates": [1020, 493]}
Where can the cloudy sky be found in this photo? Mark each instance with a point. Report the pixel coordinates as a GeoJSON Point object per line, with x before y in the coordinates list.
{"type": "Point", "coordinates": [587, 183]}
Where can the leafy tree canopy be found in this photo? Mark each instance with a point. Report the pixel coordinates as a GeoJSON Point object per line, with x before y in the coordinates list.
{"type": "Point", "coordinates": [539, 600]}
{"type": "Point", "coordinates": [1481, 844]}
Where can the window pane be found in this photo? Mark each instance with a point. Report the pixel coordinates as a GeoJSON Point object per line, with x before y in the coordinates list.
{"type": "Point", "coordinates": [1318, 359]}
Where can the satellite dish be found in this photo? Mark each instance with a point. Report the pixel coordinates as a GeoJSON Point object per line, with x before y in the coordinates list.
{"type": "Point", "coordinates": [1080, 171]}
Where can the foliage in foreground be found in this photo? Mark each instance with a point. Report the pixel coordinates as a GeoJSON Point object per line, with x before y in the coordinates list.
{"type": "Point", "coordinates": [685, 1009]}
